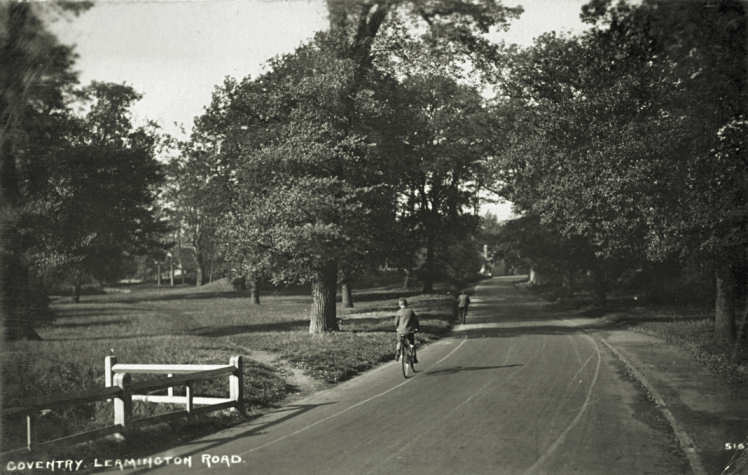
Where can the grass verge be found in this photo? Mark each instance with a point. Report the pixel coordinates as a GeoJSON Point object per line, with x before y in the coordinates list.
{"type": "Point", "coordinates": [689, 328]}
{"type": "Point", "coordinates": [365, 340]}
{"type": "Point", "coordinates": [695, 335]}
{"type": "Point", "coordinates": [206, 325]}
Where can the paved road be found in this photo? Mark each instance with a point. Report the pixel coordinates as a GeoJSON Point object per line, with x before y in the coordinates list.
{"type": "Point", "coordinates": [516, 390]}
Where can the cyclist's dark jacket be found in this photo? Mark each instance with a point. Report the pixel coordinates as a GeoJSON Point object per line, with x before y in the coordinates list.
{"type": "Point", "coordinates": [406, 321]}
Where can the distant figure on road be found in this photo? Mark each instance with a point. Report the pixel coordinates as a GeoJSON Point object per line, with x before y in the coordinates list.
{"type": "Point", "coordinates": [463, 301]}
{"type": "Point", "coordinates": [406, 323]}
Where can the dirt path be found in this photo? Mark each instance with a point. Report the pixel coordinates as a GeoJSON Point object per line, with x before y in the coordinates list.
{"type": "Point", "coordinates": [295, 377]}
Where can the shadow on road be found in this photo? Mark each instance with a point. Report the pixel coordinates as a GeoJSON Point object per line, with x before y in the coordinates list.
{"type": "Point", "coordinates": [202, 445]}
{"type": "Point", "coordinates": [460, 369]}
{"type": "Point", "coordinates": [98, 323]}
{"type": "Point", "coordinates": [514, 331]}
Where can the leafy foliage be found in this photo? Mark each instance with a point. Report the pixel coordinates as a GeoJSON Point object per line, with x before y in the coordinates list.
{"type": "Point", "coordinates": [626, 137]}
{"type": "Point", "coordinates": [301, 191]}
{"type": "Point", "coordinates": [322, 160]}
{"type": "Point", "coordinates": [97, 207]}
{"type": "Point", "coordinates": [77, 191]}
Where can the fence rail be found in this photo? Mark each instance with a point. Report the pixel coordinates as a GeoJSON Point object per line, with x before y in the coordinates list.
{"type": "Point", "coordinates": [121, 391]}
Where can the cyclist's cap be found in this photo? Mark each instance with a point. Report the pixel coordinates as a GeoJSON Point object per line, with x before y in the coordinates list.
{"type": "Point", "coordinates": [402, 302]}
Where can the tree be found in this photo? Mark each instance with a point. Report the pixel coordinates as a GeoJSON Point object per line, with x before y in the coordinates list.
{"type": "Point", "coordinates": [315, 196]}
{"type": "Point", "coordinates": [461, 262]}
{"type": "Point", "coordinates": [36, 74]}
{"type": "Point", "coordinates": [547, 252]}
{"type": "Point", "coordinates": [373, 32]}
{"type": "Point", "coordinates": [308, 151]}
{"type": "Point", "coordinates": [444, 165]}
{"type": "Point", "coordinates": [238, 120]}
{"type": "Point", "coordinates": [101, 191]}
{"type": "Point", "coordinates": [579, 157]}
{"type": "Point", "coordinates": [393, 36]}
{"type": "Point", "coordinates": [303, 189]}
{"type": "Point", "coordinates": [194, 208]}
{"type": "Point", "coordinates": [694, 53]}
{"type": "Point", "coordinates": [617, 127]}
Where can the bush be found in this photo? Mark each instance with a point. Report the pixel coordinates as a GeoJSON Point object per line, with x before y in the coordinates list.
{"type": "Point", "coordinates": [239, 283]}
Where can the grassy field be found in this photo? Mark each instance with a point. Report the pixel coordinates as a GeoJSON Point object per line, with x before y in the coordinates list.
{"type": "Point", "coordinates": [205, 325]}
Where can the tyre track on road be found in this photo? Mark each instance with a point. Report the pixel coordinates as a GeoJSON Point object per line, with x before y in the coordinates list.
{"type": "Point", "coordinates": [560, 439]}
{"type": "Point", "coordinates": [347, 409]}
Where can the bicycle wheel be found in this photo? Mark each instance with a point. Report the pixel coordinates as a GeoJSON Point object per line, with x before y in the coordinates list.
{"type": "Point", "coordinates": [408, 364]}
{"type": "Point", "coordinates": [404, 359]}
{"type": "Point", "coordinates": [412, 357]}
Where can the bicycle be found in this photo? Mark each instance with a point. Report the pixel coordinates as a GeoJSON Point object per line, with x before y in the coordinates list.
{"type": "Point", "coordinates": [462, 314]}
{"type": "Point", "coordinates": [407, 356]}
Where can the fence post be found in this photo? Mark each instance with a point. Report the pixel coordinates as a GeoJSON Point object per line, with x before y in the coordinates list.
{"type": "Point", "coordinates": [109, 361]}
{"type": "Point", "coordinates": [188, 397]}
{"type": "Point", "coordinates": [236, 383]}
{"type": "Point", "coordinates": [30, 420]}
{"type": "Point", "coordinates": [123, 402]}
{"type": "Point", "coordinates": [170, 389]}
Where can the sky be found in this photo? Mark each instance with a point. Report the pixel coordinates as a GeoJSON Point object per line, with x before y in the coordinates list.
{"type": "Point", "coordinates": [175, 52]}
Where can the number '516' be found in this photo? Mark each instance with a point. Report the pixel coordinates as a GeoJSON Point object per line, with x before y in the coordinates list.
{"type": "Point", "coordinates": [736, 445]}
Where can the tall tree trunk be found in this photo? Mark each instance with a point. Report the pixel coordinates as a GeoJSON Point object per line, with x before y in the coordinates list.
{"type": "Point", "coordinates": [406, 279]}
{"type": "Point", "coordinates": [254, 290]}
{"type": "Point", "coordinates": [322, 317]}
{"type": "Point", "coordinates": [741, 290]}
{"type": "Point", "coordinates": [724, 302]}
{"type": "Point", "coordinates": [428, 277]}
{"type": "Point", "coordinates": [198, 275]}
{"type": "Point", "coordinates": [171, 271]}
{"type": "Point", "coordinates": [14, 285]}
{"type": "Point", "coordinates": [199, 272]}
{"type": "Point", "coordinates": [656, 284]}
{"type": "Point", "coordinates": [347, 295]}
{"type": "Point", "coordinates": [599, 286]}
{"type": "Point", "coordinates": [567, 283]}
{"type": "Point", "coordinates": [77, 284]}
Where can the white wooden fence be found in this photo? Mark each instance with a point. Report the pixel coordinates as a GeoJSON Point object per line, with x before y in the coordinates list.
{"type": "Point", "coordinates": [122, 391]}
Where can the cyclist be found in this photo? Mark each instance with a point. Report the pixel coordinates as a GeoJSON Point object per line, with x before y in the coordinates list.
{"type": "Point", "coordinates": [463, 301]}
{"type": "Point", "coordinates": [406, 323]}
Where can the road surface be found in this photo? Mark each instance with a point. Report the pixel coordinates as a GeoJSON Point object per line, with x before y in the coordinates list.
{"type": "Point", "coordinates": [518, 389]}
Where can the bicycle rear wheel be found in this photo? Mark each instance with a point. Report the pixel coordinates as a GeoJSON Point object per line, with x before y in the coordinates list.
{"type": "Point", "coordinates": [404, 360]}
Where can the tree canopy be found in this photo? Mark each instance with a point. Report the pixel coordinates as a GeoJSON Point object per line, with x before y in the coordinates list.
{"type": "Point", "coordinates": [97, 208]}
{"type": "Point", "coordinates": [333, 151]}
{"type": "Point", "coordinates": [36, 75]}
{"type": "Point", "coordinates": [619, 133]}
{"type": "Point", "coordinates": [77, 191]}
